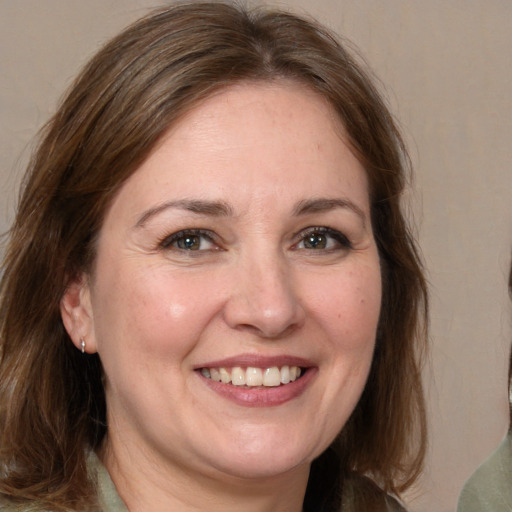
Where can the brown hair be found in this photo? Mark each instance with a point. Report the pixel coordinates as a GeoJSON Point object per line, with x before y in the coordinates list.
{"type": "Point", "coordinates": [52, 405]}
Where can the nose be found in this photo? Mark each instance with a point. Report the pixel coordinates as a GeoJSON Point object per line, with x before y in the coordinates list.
{"type": "Point", "coordinates": [264, 299]}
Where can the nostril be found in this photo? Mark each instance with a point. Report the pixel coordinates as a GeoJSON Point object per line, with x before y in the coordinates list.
{"type": "Point", "coordinates": [266, 332]}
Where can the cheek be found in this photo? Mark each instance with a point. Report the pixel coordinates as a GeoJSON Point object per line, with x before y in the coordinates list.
{"type": "Point", "coordinates": [350, 307]}
{"type": "Point", "coordinates": [348, 312]}
{"type": "Point", "coordinates": [150, 311]}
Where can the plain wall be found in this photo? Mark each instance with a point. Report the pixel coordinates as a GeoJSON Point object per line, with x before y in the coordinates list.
{"type": "Point", "coordinates": [447, 70]}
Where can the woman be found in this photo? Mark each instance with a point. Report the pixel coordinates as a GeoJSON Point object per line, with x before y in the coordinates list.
{"type": "Point", "coordinates": [211, 299]}
{"type": "Point", "coordinates": [489, 487]}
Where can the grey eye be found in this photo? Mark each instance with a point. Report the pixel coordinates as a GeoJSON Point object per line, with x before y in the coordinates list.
{"type": "Point", "coordinates": [189, 240]}
{"type": "Point", "coordinates": [315, 241]}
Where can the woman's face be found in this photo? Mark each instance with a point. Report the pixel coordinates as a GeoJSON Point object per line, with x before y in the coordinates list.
{"type": "Point", "coordinates": [238, 256]}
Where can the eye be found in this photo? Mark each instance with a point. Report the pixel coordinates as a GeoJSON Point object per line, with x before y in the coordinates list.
{"type": "Point", "coordinates": [322, 238]}
{"type": "Point", "coordinates": [190, 240]}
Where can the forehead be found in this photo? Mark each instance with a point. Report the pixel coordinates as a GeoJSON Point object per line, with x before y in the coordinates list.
{"type": "Point", "coordinates": [241, 104]}
{"type": "Point", "coordinates": [266, 137]}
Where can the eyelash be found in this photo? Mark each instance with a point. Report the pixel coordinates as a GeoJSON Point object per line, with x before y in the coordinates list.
{"type": "Point", "coordinates": [168, 241]}
{"type": "Point", "coordinates": [342, 241]}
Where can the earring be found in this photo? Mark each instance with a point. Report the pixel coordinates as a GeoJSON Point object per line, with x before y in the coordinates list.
{"type": "Point", "coordinates": [82, 343]}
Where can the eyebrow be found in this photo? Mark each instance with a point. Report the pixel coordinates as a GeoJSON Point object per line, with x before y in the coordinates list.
{"type": "Point", "coordinates": [210, 208]}
{"type": "Point", "coordinates": [222, 209]}
{"type": "Point", "coordinates": [324, 204]}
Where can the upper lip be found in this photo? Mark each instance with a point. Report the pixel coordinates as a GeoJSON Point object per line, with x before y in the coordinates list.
{"type": "Point", "coordinates": [256, 361]}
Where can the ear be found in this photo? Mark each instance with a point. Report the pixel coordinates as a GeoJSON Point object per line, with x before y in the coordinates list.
{"type": "Point", "coordinates": [76, 313]}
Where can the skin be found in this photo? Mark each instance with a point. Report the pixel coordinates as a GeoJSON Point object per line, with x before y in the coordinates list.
{"type": "Point", "coordinates": [264, 154]}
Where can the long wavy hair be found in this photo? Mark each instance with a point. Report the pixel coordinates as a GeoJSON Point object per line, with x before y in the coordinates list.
{"type": "Point", "coordinates": [52, 404]}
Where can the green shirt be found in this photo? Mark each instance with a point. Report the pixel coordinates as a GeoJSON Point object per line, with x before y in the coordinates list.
{"type": "Point", "coordinates": [489, 489]}
{"type": "Point", "coordinates": [110, 501]}
{"type": "Point", "coordinates": [108, 498]}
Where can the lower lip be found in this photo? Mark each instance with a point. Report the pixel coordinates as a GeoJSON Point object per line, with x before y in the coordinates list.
{"type": "Point", "coordinates": [262, 396]}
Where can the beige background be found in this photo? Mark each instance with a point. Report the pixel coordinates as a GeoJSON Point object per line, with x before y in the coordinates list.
{"type": "Point", "coordinates": [447, 70]}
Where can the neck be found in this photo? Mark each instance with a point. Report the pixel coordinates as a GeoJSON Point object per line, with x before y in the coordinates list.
{"type": "Point", "coordinates": [145, 483]}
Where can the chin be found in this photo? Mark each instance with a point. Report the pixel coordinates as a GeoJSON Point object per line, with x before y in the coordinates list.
{"type": "Point", "coordinates": [267, 455]}
{"type": "Point", "coordinates": [262, 469]}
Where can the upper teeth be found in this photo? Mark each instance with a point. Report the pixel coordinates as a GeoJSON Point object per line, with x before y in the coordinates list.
{"type": "Point", "coordinates": [253, 376]}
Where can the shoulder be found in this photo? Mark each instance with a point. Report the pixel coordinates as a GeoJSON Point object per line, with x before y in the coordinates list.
{"type": "Point", "coordinates": [489, 488]}
{"type": "Point", "coordinates": [99, 479]}
{"type": "Point", "coordinates": [5, 506]}
{"type": "Point", "coordinates": [360, 494]}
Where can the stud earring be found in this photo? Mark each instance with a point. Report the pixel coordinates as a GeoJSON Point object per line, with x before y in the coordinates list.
{"type": "Point", "coordinates": [82, 344]}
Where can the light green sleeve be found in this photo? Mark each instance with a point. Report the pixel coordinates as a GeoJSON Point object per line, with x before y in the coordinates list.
{"type": "Point", "coordinates": [489, 489]}
{"type": "Point", "coordinates": [108, 498]}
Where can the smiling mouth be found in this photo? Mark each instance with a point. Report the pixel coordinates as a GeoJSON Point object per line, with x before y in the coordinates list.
{"type": "Point", "coordinates": [251, 376]}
